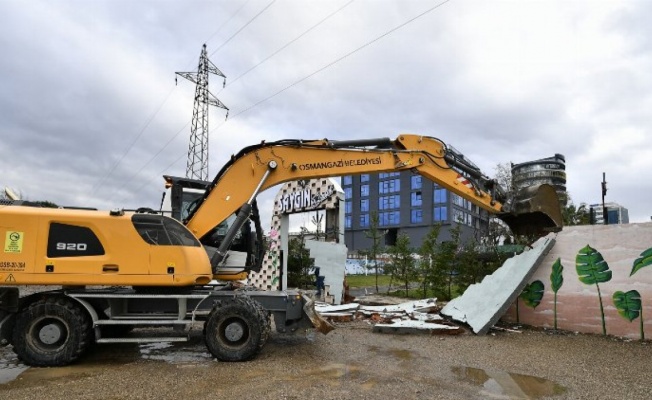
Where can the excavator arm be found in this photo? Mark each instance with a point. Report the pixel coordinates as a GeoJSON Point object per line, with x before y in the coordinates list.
{"type": "Point", "coordinates": [259, 167]}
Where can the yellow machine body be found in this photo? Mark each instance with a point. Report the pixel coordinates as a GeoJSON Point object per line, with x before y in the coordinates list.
{"type": "Point", "coordinates": [45, 246]}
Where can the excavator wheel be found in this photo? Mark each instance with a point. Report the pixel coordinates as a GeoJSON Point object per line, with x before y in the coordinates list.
{"type": "Point", "coordinates": [51, 332]}
{"type": "Point", "coordinates": [236, 330]}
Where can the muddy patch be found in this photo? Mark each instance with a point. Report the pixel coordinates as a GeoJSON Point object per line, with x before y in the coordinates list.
{"type": "Point", "coordinates": [505, 385]}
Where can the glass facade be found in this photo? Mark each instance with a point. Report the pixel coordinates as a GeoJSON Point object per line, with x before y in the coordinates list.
{"type": "Point", "coordinates": [389, 202]}
{"type": "Point", "coordinates": [415, 199]}
{"type": "Point", "coordinates": [415, 182]}
{"type": "Point", "coordinates": [389, 218]}
{"type": "Point", "coordinates": [440, 214]}
{"type": "Point", "coordinates": [416, 216]}
{"type": "Point", "coordinates": [364, 205]}
{"type": "Point", "coordinates": [440, 195]}
{"type": "Point", "coordinates": [405, 203]}
{"type": "Point", "coordinates": [389, 186]}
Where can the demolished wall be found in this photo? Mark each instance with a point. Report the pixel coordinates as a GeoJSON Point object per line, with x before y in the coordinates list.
{"type": "Point", "coordinates": [482, 304]}
{"type": "Point", "coordinates": [331, 259]}
{"type": "Point", "coordinates": [596, 279]}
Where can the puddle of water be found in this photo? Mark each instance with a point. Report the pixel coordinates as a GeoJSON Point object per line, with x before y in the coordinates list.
{"type": "Point", "coordinates": [336, 373]}
{"type": "Point", "coordinates": [505, 385]}
{"type": "Point", "coordinates": [102, 357]}
{"type": "Point", "coordinates": [399, 354]}
{"type": "Point", "coordinates": [175, 353]}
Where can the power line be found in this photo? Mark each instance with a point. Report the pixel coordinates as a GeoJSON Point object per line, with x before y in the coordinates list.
{"type": "Point", "coordinates": [151, 118]}
{"type": "Point", "coordinates": [292, 41]}
{"type": "Point", "coordinates": [149, 121]}
{"type": "Point", "coordinates": [227, 21]}
{"type": "Point", "coordinates": [310, 75]}
{"type": "Point", "coordinates": [243, 26]}
{"type": "Point", "coordinates": [152, 159]}
{"type": "Point", "coordinates": [336, 61]}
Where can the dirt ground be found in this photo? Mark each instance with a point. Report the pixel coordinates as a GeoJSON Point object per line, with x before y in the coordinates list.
{"type": "Point", "coordinates": [351, 363]}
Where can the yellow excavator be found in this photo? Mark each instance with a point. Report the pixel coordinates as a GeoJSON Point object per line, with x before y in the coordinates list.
{"type": "Point", "coordinates": [115, 270]}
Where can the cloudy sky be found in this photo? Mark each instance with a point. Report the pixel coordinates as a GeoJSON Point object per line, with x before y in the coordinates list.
{"type": "Point", "coordinates": [90, 114]}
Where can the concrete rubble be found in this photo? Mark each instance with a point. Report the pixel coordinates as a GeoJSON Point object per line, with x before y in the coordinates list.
{"type": "Point", "coordinates": [484, 303]}
{"type": "Point", "coordinates": [420, 316]}
{"type": "Point", "coordinates": [480, 307]}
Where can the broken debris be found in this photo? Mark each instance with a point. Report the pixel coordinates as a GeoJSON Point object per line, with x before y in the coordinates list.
{"type": "Point", "coordinates": [482, 304]}
{"type": "Point", "coordinates": [421, 316]}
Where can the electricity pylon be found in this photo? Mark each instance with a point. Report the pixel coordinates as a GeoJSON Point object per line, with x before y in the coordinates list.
{"type": "Point", "coordinates": [197, 166]}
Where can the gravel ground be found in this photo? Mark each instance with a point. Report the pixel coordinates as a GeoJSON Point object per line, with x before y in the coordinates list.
{"type": "Point", "coordinates": [352, 363]}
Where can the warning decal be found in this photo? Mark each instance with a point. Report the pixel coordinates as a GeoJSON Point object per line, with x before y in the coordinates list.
{"type": "Point", "coordinates": [13, 242]}
{"type": "Point", "coordinates": [12, 266]}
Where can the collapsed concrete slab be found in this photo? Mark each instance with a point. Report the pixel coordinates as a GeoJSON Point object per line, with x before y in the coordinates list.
{"type": "Point", "coordinates": [482, 304]}
{"type": "Point", "coordinates": [411, 326]}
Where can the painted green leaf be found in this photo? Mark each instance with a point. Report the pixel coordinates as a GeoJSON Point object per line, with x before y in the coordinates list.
{"type": "Point", "coordinates": [628, 304]}
{"type": "Point", "coordinates": [556, 277]}
{"type": "Point", "coordinates": [643, 261]}
{"type": "Point", "coordinates": [274, 281]}
{"type": "Point", "coordinates": [532, 294]}
{"type": "Point", "coordinates": [591, 267]}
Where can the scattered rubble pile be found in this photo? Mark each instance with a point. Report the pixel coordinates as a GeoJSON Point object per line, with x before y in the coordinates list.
{"type": "Point", "coordinates": [420, 316]}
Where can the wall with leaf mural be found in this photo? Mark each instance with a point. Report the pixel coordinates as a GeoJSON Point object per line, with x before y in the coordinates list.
{"type": "Point", "coordinates": [596, 279]}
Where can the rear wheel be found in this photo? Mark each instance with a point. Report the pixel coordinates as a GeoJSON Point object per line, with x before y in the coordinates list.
{"type": "Point", "coordinates": [236, 330]}
{"type": "Point", "coordinates": [51, 332]}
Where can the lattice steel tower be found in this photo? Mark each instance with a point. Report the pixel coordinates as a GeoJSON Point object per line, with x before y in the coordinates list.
{"type": "Point", "coordinates": [197, 166]}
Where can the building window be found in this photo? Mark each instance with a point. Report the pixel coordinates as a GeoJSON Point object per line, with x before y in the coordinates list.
{"type": "Point", "coordinates": [389, 202]}
{"type": "Point", "coordinates": [416, 216]}
{"type": "Point", "coordinates": [347, 222]}
{"type": "Point", "coordinates": [389, 218]}
{"type": "Point", "coordinates": [440, 195]}
{"type": "Point", "coordinates": [440, 213]}
{"type": "Point", "coordinates": [348, 206]}
{"type": "Point", "coordinates": [415, 199]}
{"type": "Point", "coordinates": [364, 178]}
{"type": "Point", "coordinates": [364, 205]}
{"type": "Point", "coordinates": [364, 220]}
{"type": "Point", "coordinates": [347, 180]}
{"type": "Point", "coordinates": [461, 217]}
{"type": "Point", "coordinates": [364, 190]}
{"type": "Point", "coordinates": [389, 186]}
{"type": "Point", "coordinates": [348, 193]}
{"type": "Point", "coordinates": [384, 175]}
{"type": "Point", "coordinates": [415, 182]}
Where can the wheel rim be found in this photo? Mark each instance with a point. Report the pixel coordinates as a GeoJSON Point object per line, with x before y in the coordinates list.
{"type": "Point", "coordinates": [49, 333]}
{"type": "Point", "coordinates": [234, 331]}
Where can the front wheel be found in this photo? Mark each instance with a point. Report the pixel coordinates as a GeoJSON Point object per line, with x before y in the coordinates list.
{"type": "Point", "coordinates": [236, 330]}
{"type": "Point", "coordinates": [51, 332]}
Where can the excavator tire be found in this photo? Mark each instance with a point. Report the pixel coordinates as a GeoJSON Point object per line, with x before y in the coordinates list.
{"type": "Point", "coordinates": [237, 329]}
{"type": "Point", "coordinates": [51, 332]}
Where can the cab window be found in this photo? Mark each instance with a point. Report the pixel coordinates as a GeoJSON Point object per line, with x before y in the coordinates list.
{"type": "Point", "coordinates": [158, 230]}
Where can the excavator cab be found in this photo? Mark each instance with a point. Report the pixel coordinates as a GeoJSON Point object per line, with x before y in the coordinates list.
{"type": "Point", "coordinates": [534, 211]}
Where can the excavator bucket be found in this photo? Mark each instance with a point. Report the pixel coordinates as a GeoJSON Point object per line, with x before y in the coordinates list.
{"type": "Point", "coordinates": [319, 323]}
{"type": "Point", "coordinates": [535, 211]}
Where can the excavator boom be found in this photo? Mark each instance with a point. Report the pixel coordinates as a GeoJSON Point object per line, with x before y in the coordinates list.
{"type": "Point", "coordinates": [262, 166]}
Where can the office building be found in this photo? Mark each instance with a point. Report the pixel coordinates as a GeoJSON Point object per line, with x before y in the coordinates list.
{"type": "Point", "coordinates": [406, 203]}
{"type": "Point", "coordinates": [616, 214]}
